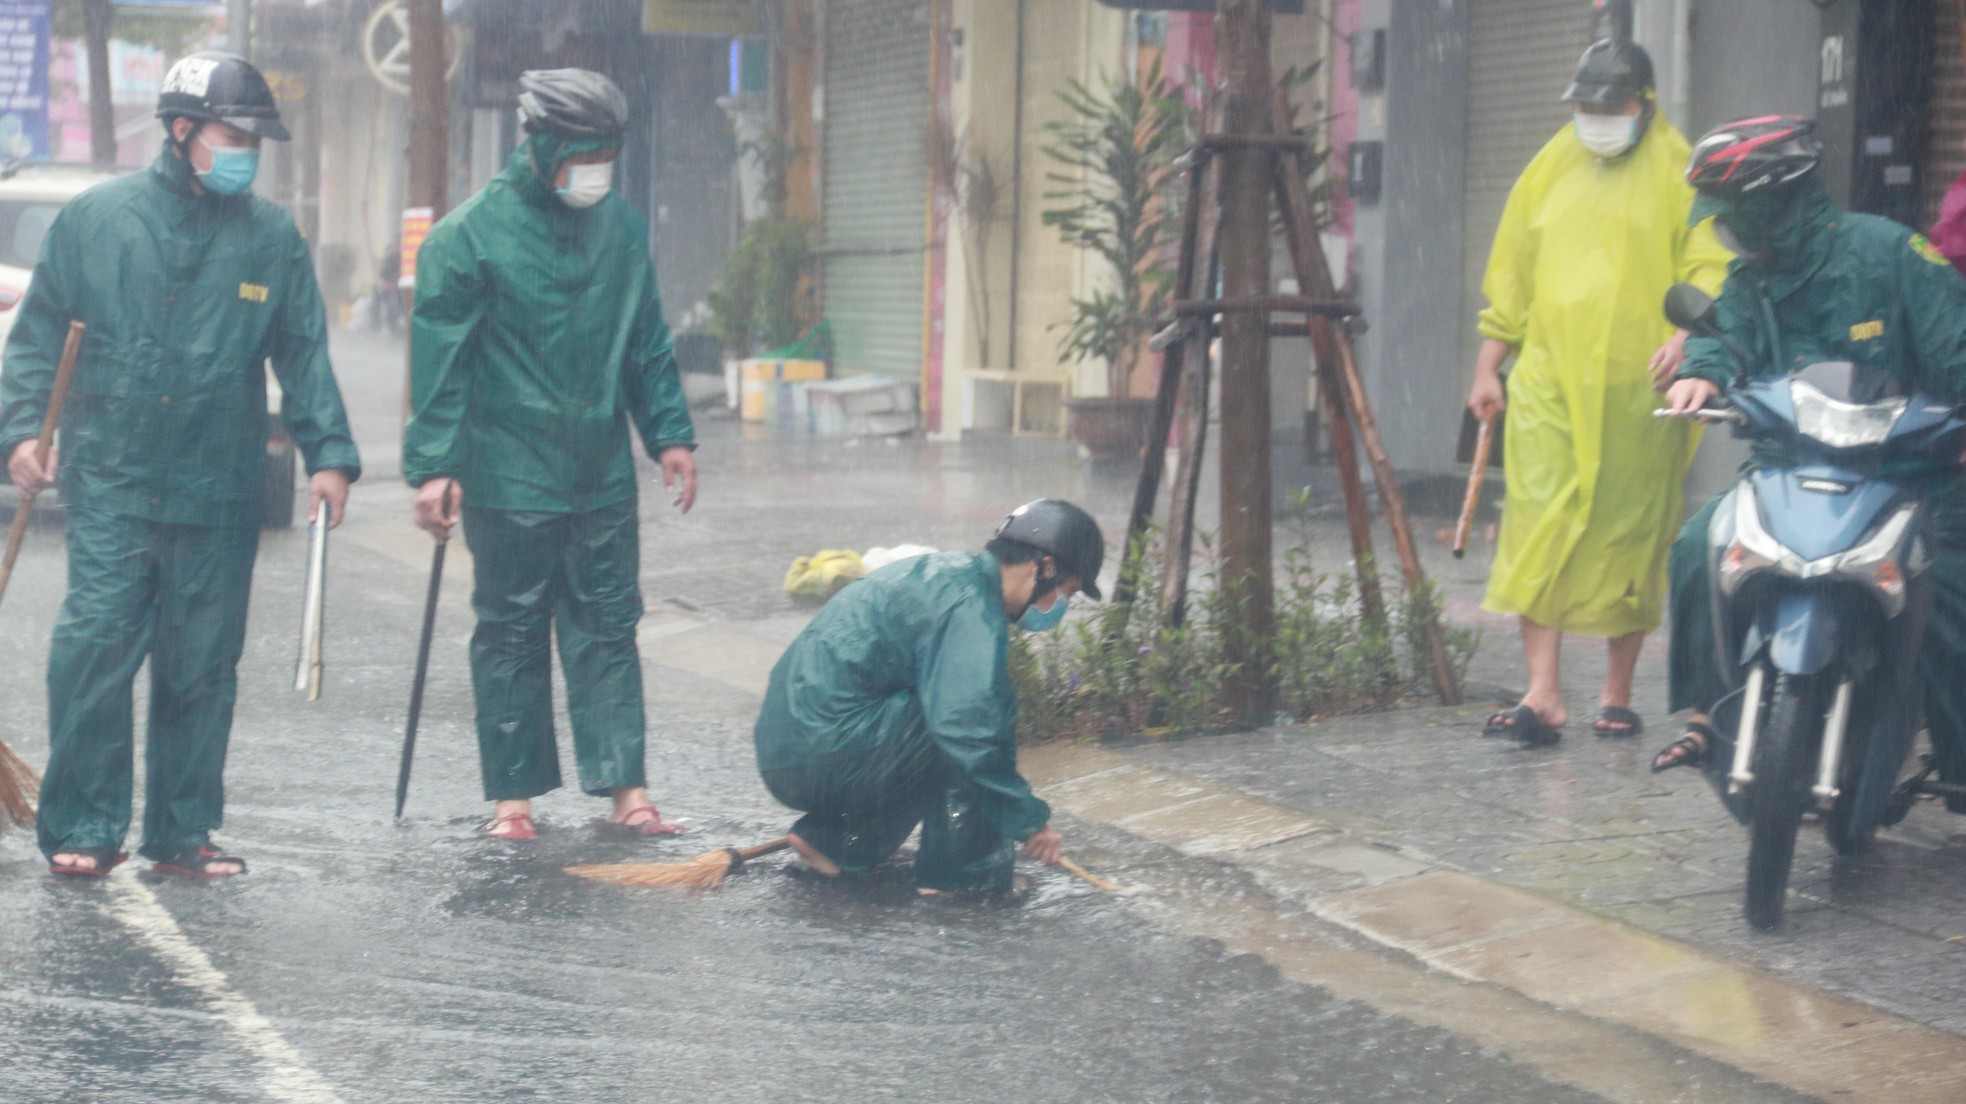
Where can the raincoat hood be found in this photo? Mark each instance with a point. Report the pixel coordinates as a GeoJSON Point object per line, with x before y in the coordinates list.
{"type": "Point", "coordinates": [537, 339]}
{"type": "Point", "coordinates": [538, 159]}
{"type": "Point", "coordinates": [1788, 236]}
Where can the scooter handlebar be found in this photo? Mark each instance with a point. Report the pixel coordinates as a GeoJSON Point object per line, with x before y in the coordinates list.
{"type": "Point", "coordinates": [1707, 414]}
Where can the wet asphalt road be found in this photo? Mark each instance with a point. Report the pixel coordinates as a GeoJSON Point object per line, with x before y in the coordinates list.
{"type": "Point", "coordinates": [368, 960]}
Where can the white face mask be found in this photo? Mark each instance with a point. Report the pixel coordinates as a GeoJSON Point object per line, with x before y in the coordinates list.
{"type": "Point", "coordinates": [1606, 135]}
{"type": "Point", "coordinates": [586, 184]}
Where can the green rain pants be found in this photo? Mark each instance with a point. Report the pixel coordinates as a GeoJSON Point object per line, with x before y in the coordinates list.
{"type": "Point", "coordinates": [862, 799]}
{"type": "Point", "coordinates": [575, 576]}
{"type": "Point", "coordinates": [177, 595]}
{"type": "Point", "coordinates": [1694, 671]}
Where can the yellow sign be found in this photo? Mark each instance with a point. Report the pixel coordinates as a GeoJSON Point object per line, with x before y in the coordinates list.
{"type": "Point", "coordinates": [1864, 331]}
{"type": "Point", "coordinates": [252, 293]}
{"type": "Point", "coordinates": [1927, 250]}
{"type": "Point", "coordinates": [713, 17]}
{"type": "Point", "coordinates": [416, 227]}
{"type": "Point", "coordinates": [287, 85]}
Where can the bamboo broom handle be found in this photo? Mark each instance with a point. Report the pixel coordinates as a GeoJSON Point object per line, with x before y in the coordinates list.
{"type": "Point", "coordinates": [1086, 876]}
{"type": "Point", "coordinates": [42, 444]}
{"type": "Point", "coordinates": [1471, 503]}
{"type": "Point", "coordinates": [746, 854]}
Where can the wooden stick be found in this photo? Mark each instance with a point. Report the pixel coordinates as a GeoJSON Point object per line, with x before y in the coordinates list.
{"type": "Point", "coordinates": [1314, 277]}
{"type": "Point", "coordinates": [1200, 265]}
{"type": "Point", "coordinates": [1288, 304]}
{"type": "Point", "coordinates": [1087, 876]}
{"type": "Point", "coordinates": [1471, 502]}
{"type": "Point", "coordinates": [1445, 681]}
{"type": "Point", "coordinates": [1168, 389]}
{"type": "Point", "coordinates": [1299, 230]}
{"type": "Point", "coordinates": [42, 445]}
{"type": "Point", "coordinates": [19, 785]}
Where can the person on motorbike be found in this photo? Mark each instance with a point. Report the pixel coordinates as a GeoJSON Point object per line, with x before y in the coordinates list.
{"type": "Point", "coordinates": [1835, 286]}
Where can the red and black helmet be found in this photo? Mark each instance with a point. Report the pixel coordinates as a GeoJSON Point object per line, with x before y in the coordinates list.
{"type": "Point", "coordinates": [1764, 154]}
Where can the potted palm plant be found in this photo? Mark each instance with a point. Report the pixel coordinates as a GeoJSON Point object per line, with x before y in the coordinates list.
{"type": "Point", "coordinates": [1112, 159]}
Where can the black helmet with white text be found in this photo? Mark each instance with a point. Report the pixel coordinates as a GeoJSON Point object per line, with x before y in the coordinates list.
{"type": "Point", "coordinates": [214, 86]}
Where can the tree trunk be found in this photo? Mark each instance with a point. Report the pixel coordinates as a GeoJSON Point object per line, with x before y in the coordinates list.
{"type": "Point", "coordinates": [97, 16]}
{"type": "Point", "coordinates": [1243, 27]}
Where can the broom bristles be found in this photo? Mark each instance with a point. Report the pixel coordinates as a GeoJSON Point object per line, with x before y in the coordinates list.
{"type": "Point", "coordinates": [706, 871]}
{"type": "Point", "coordinates": [19, 787]}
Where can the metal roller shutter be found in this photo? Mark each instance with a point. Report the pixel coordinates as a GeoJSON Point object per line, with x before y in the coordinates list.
{"type": "Point", "coordinates": [875, 183]}
{"type": "Point", "coordinates": [1945, 151]}
{"type": "Point", "coordinates": [1521, 54]}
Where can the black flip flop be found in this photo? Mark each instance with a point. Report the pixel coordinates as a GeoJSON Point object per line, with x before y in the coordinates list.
{"type": "Point", "coordinates": [1522, 723]}
{"type": "Point", "coordinates": [1696, 755]}
{"type": "Point", "coordinates": [197, 862]}
{"type": "Point", "coordinates": [1614, 721]}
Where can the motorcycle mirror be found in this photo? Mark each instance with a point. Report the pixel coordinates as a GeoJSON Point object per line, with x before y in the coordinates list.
{"type": "Point", "coordinates": [1690, 309]}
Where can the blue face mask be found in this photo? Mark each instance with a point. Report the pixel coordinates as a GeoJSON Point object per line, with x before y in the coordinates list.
{"type": "Point", "coordinates": [1041, 620]}
{"type": "Point", "coordinates": [232, 171]}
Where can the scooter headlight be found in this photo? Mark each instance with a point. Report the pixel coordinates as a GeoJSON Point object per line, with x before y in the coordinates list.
{"type": "Point", "coordinates": [1841, 424]}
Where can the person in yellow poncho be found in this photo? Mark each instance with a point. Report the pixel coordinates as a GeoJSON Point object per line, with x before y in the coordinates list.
{"type": "Point", "coordinates": [1593, 234]}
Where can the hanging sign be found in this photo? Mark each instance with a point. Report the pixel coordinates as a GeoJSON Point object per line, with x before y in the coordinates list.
{"type": "Point", "coordinates": [416, 227]}
{"type": "Point", "coordinates": [24, 30]}
{"type": "Point", "coordinates": [386, 47]}
{"type": "Point", "coordinates": [711, 17]}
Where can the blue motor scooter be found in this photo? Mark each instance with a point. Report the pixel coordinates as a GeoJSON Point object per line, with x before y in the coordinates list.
{"type": "Point", "coordinates": [1820, 566]}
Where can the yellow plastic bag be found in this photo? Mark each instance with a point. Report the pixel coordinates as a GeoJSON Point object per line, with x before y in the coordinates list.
{"type": "Point", "coordinates": [820, 576]}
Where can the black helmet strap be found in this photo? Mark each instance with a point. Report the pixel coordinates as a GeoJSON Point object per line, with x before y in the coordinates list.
{"type": "Point", "coordinates": [170, 134]}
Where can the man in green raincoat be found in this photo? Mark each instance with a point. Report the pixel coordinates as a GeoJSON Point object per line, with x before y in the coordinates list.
{"type": "Point", "coordinates": [536, 339]}
{"type": "Point", "coordinates": [894, 707]}
{"type": "Point", "coordinates": [1837, 286]}
{"type": "Point", "coordinates": [1593, 234]}
{"type": "Point", "coordinates": [188, 283]}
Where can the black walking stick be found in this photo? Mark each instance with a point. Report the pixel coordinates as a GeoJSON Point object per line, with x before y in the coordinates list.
{"type": "Point", "coordinates": [422, 666]}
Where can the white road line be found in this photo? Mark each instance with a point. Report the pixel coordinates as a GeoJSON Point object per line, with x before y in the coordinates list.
{"type": "Point", "coordinates": [284, 1074]}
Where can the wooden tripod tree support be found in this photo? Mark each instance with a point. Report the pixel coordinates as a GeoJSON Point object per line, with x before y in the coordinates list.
{"type": "Point", "coordinates": [1341, 391]}
{"type": "Point", "coordinates": [1314, 277]}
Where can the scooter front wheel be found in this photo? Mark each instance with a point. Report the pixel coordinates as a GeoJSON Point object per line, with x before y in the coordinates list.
{"type": "Point", "coordinates": [1784, 761]}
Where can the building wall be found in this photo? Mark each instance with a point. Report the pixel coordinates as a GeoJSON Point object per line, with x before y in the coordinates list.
{"type": "Point", "coordinates": [983, 206]}
{"type": "Point", "coordinates": [1061, 40]}
{"type": "Point", "coordinates": [1410, 240]}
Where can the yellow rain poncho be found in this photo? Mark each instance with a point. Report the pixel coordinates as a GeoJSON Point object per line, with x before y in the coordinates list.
{"type": "Point", "coordinates": [1581, 264]}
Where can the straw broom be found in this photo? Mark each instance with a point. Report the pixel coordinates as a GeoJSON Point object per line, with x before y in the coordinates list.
{"type": "Point", "coordinates": [708, 871]}
{"type": "Point", "coordinates": [19, 785]}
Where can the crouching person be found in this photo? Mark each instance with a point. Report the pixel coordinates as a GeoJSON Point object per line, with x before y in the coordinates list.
{"type": "Point", "coordinates": [895, 708]}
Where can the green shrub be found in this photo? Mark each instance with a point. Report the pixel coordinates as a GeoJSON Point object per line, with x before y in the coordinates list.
{"type": "Point", "coordinates": [1121, 670]}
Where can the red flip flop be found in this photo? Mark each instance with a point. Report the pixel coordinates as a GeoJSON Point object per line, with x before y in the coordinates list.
{"type": "Point", "coordinates": [521, 827]}
{"type": "Point", "coordinates": [107, 859]}
{"type": "Point", "coordinates": [652, 825]}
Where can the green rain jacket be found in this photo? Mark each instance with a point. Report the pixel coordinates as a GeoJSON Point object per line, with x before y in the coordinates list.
{"type": "Point", "coordinates": [1861, 289]}
{"type": "Point", "coordinates": [185, 296]}
{"type": "Point", "coordinates": [932, 626]}
{"type": "Point", "coordinates": [537, 336]}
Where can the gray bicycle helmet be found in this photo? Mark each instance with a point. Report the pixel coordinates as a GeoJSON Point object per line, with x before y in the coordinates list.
{"type": "Point", "coordinates": [572, 103]}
